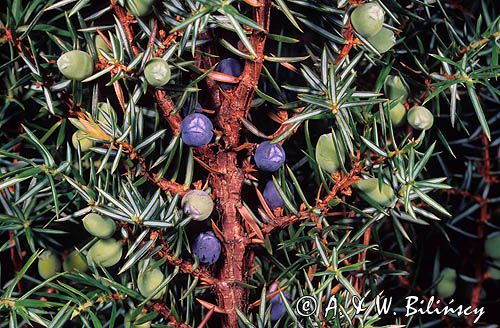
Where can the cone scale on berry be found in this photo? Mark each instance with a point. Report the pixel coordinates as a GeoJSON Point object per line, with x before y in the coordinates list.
{"type": "Point", "coordinates": [269, 157]}
{"type": "Point", "coordinates": [196, 130]}
{"type": "Point", "coordinates": [157, 72]}
{"type": "Point", "coordinates": [197, 204]}
{"type": "Point", "coordinates": [207, 248]}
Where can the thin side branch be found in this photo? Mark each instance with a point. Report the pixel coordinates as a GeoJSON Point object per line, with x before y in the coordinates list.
{"type": "Point", "coordinates": [167, 107]}
{"type": "Point", "coordinates": [162, 183]}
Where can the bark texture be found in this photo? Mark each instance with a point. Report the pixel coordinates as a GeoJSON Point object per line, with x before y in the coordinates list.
{"type": "Point", "coordinates": [227, 184]}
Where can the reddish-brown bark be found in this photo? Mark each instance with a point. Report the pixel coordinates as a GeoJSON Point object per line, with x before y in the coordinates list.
{"type": "Point", "coordinates": [227, 185]}
{"type": "Point", "coordinates": [227, 175]}
{"type": "Point", "coordinates": [227, 190]}
{"type": "Point", "coordinates": [162, 183]}
{"type": "Point", "coordinates": [167, 107]}
{"type": "Point", "coordinates": [165, 312]}
{"type": "Point", "coordinates": [481, 232]}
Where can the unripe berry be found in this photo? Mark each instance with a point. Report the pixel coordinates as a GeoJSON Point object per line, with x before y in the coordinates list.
{"type": "Point", "coordinates": [383, 41]}
{"type": "Point", "coordinates": [272, 197]}
{"type": "Point", "coordinates": [326, 153]}
{"type": "Point", "coordinates": [100, 44]}
{"type": "Point", "coordinates": [81, 138]}
{"type": "Point", "coordinates": [198, 204]}
{"type": "Point", "coordinates": [420, 118]}
{"type": "Point", "coordinates": [76, 65]}
{"type": "Point", "coordinates": [157, 72]}
{"type": "Point", "coordinates": [105, 252]}
{"type": "Point", "coordinates": [446, 286]}
{"type": "Point", "coordinates": [395, 89]}
{"type": "Point", "coordinates": [368, 19]}
{"type": "Point", "coordinates": [140, 8]}
{"type": "Point", "coordinates": [48, 264]}
{"type": "Point", "coordinates": [277, 307]}
{"type": "Point", "coordinates": [492, 247]}
{"type": "Point", "coordinates": [129, 324]}
{"type": "Point", "coordinates": [98, 226]}
{"type": "Point", "coordinates": [149, 280]}
{"type": "Point", "coordinates": [397, 114]}
{"type": "Point", "coordinates": [269, 157]}
{"type": "Point", "coordinates": [207, 248]}
{"type": "Point", "coordinates": [383, 196]}
{"type": "Point", "coordinates": [75, 261]}
{"type": "Point", "coordinates": [196, 130]}
{"type": "Point", "coordinates": [494, 271]}
{"type": "Point", "coordinates": [229, 66]}
{"type": "Point", "coordinates": [104, 108]}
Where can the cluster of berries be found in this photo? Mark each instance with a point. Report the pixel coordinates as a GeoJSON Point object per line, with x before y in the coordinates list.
{"type": "Point", "coordinates": [368, 21]}
{"type": "Point", "coordinates": [197, 130]}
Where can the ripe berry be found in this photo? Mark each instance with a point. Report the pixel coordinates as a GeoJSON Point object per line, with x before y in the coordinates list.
{"type": "Point", "coordinates": [492, 247]}
{"type": "Point", "coordinates": [75, 261]}
{"type": "Point", "coordinates": [149, 280]}
{"type": "Point", "coordinates": [277, 307]}
{"type": "Point", "coordinates": [207, 248]}
{"type": "Point", "coordinates": [383, 41]}
{"type": "Point", "coordinates": [99, 226]}
{"type": "Point", "coordinates": [269, 157]}
{"type": "Point", "coordinates": [76, 65]}
{"type": "Point", "coordinates": [370, 187]}
{"type": "Point", "coordinates": [196, 130]}
{"type": "Point", "coordinates": [272, 197]}
{"type": "Point", "coordinates": [81, 138]}
{"type": "Point", "coordinates": [368, 19]}
{"type": "Point", "coordinates": [420, 118]}
{"type": "Point", "coordinates": [395, 89]}
{"type": "Point", "coordinates": [397, 114]}
{"type": "Point", "coordinates": [198, 204]}
{"type": "Point", "coordinates": [229, 66]}
{"type": "Point", "coordinates": [105, 252]}
{"type": "Point", "coordinates": [140, 8]}
{"type": "Point", "coordinates": [48, 264]}
{"type": "Point", "coordinates": [446, 286]}
{"type": "Point", "coordinates": [326, 153]}
{"type": "Point", "coordinates": [157, 72]}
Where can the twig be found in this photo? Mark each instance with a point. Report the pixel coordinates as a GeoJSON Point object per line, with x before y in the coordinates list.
{"type": "Point", "coordinates": [350, 42]}
{"type": "Point", "coordinates": [162, 183]}
{"type": "Point", "coordinates": [125, 19]}
{"type": "Point", "coordinates": [167, 107]}
{"type": "Point", "coordinates": [481, 232]}
{"type": "Point", "coordinates": [227, 183]}
{"type": "Point", "coordinates": [165, 312]}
